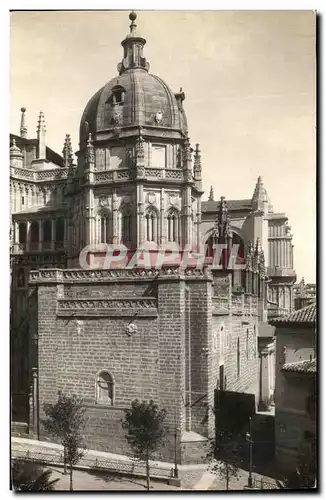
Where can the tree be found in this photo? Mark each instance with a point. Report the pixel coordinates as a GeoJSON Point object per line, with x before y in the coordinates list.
{"type": "Point", "coordinates": [144, 423]}
{"type": "Point", "coordinates": [225, 460]}
{"type": "Point", "coordinates": [65, 421]}
{"type": "Point", "coordinates": [28, 476]}
{"type": "Point", "coordinates": [226, 470]}
{"type": "Point", "coordinates": [301, 477]}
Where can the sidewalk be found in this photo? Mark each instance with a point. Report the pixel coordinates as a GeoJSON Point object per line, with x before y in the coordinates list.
{"type": "Point", "coordinates": [93, 459]}
{"type": "Point", "coordinates": [193, 477]}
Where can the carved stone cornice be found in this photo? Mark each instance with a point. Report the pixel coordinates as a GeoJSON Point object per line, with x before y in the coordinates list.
{"type": "Point", "coordinates": [132, 302]}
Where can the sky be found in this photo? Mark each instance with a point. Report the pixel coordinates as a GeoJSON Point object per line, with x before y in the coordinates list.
{"type": "Point", "coordinates": [249, 80]}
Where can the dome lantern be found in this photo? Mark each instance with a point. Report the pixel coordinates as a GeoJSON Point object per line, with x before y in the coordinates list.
{"type": "Point", "coordinates": [133, 46]}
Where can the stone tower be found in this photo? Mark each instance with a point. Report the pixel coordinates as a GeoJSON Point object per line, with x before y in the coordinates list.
{"type": "Point", "coordinates": [138, 179]}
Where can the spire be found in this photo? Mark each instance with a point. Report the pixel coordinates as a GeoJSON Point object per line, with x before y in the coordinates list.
{"type": "Point", "coordinates": [197, 164]}
{"type": "Point", "coordinates": [90, 153]}
{"type": "Point", "coordinates": [23, 127]}
{"type": "Point", "coordinates": [41, 131]}
{"type": "Point", "coordinates": [249, 256]}
{"type": "Point", "coordinates": [260, 200]}
{"type": "Point", "coordinates": [211, 194]}
{"type": "Point", "coordinates": [67, 152]}
{"type": "Point", "coordinates": [186, 150]}
{"type": "Point", "coordinates": [223, 220]}
{"type": "Point", "coordinates": [133, 46]}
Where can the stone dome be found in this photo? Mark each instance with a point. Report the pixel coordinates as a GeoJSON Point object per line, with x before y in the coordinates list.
{"type": "Point", "coordinates": [134, 97]}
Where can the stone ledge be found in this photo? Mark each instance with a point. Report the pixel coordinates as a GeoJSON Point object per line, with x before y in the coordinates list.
{"type": "Point", "coordinates": [192, 437]}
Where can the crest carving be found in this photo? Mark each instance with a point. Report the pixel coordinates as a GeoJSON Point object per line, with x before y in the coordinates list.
{"type": "Point", "coordinates": [151, 198]}
{"type": "Point", "coordinates": [131, 329]}
{"type": "Point", "coordinates": [159, 117]}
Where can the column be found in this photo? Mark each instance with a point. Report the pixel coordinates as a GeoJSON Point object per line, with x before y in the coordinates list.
{"type": "Point", "coordinates": [115, 238]}
{"type": "Point", "coordinates": [16, 232]}
{"type": "Point", "coordinates": [53, 234]}
{"type": "Point", "coordinates": [162, 236]}
{"type": "Point", "coordinates": [140, 215]}
{"type": "Point", "coordinates": [40, 235]}
{"type": "Point", "coordinates": [28, 235]}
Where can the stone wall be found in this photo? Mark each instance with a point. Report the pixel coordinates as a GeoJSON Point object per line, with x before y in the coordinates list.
{"type": "Point", "coordinates": [82, 325]}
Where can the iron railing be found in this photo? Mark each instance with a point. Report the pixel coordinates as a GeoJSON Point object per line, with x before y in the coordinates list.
{"type": "Point", "coordinates": [55, 457]}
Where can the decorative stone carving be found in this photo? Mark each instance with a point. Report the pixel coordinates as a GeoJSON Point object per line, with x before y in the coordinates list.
{"type": "Point", "coordinates": [131, 329]}
{"type": "Point", "coordinates": [90, 153]}
{"type": "Point", "coordinates": [91, 304]}
{"type": "Point", "coordinates": [174, 174]}
{"type": "Point", "coordinates": [140, 172]}
{"type": "Point", "coordinates": [153, 172]}
{"type": "Point", "coordinates": [100, 177]}
{"type": "Point", "coordinates": [173, 199]}
{"type": "Point", "coordinates": [159, 117]}
{"type": "Point", "coordinates": [151, 198]}
{"type": "Point", "coordinates": [80, 326]}
{"type": "Point", "coordinates": [140, 150]}
{"type": "Point", "coordinates": [187, 150]}
{"type": "Point", "coordinates": [105, 202]}
{"type": "Point", "coordinates": [117, 118]}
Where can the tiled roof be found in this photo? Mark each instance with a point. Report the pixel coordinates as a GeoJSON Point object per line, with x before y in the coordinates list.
{"type": "Point", "coordinates": [212, 206]}
{"type": "Point", "coordinates": [307, 315]}
{"type": "Point", "coordinates": [305, 366]}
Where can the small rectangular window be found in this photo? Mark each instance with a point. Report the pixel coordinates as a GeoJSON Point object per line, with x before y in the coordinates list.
{"type": "Point", "coordinates": [158, 156]}
{"type": "Point", "coordinates": [23, 200]}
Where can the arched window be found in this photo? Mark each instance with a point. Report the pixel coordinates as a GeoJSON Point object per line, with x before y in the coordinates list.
{"type": "Point", "coordinates": [105, 227]}
{"type": "Point", "coordinates": [238, 358]}
{"type": "Point", "coordinates": [173, 225]}
{"type": "Point", "coordinates": [126, 232]}
{"type": "Point", "coordinates": [247, 343]}
{"type": "Point", "coordinates": [22, 232]}
{"type": "Point", "coordinates": [118, 94]}
{"type": "Point", "coordinates": [47, 231]}
{"type": "Point", "coordinates": [151, 225]}
{"type": "Point", "coordinates": [105, 388]}
{"type": "Point", "coordinates": [34, 232]}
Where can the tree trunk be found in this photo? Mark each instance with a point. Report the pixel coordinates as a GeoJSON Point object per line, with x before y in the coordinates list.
{"type": "Point", "coordinates": [147, 473]}
{"type": "Point", "coordinates": [71, 471]}
{"type": "Point", "coordinates": [64, 460]}
{"type": "Point", "coordinates": [227, 477]}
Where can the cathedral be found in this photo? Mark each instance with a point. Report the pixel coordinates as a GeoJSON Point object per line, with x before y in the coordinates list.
{"type": "Point", "coordinates": [110, 335]}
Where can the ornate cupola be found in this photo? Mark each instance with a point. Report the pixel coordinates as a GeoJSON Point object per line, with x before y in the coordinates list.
{"type": "Point", "coordinates": [16, 156]}
{"type": "Point", "coordinates": [133, 46]}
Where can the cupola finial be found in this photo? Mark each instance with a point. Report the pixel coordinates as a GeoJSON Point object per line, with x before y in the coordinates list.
{"type": "Point", "coordinates": [133, 17]}
{"type": "Point", "coordinates": [23, 127]}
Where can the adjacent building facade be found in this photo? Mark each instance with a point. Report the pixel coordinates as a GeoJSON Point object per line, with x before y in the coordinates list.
{"type": "Point", "coordinates": [304, 294]}
{"type": "Point", "coordinates": [295, 392]}
{"type": "Point", "coordinates": [173, 334]}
